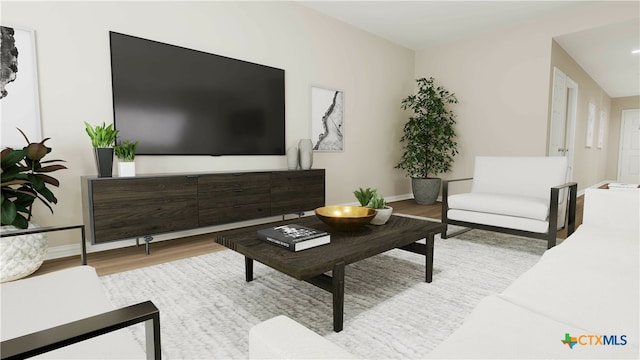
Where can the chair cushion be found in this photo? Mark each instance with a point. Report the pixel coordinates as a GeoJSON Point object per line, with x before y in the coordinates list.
{"type": "Point", "coordinates": [499, 329]}
{"type": "Point", "coordinates": [509, 222]}
{"type": "Point", "coordinates": [502, 204]}
{"type": "Point", "coordinates": [593, 269]}
{"type": "Point", "coordinates": [531, 176]}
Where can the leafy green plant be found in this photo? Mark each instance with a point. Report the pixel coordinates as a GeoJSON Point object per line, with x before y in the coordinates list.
{"type": "Point", "coordinates": [429, 135]}
{"type": "Point", "coordinates": [126, 151]}
{"type": "Point", "coordinates": [102, 136]}
{"type": "Point", "coordinates": [24, 179]}
{"type": "Point", "coordinates": [369, 198]}
{"type": "Point", "coordinates": [377, 202]}
{"type": "Point", "coordinates": [363, 195]}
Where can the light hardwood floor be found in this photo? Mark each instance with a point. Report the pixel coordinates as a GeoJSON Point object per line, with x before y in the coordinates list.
{"type": "Point", "coordinates": [129, 258]}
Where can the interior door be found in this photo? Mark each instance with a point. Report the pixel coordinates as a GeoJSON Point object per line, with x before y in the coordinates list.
{"type": "Point", "coordinates": [563, 118]}
{"type": "Point", "coordinates": [629, 163]}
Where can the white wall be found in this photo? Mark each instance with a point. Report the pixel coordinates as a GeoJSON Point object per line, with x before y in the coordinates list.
{"type": "Point", "coordinates": [75, 85]}
{"type": "Point", "coordinates": [501, 80]}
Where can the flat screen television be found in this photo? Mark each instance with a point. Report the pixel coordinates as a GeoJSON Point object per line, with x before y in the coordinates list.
{"type": "Point", "coordinates": [179, 101]}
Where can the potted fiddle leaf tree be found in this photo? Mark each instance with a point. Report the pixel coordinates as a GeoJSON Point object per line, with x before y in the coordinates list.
{"type": "Point", "coordinates": [372, 199]}
{"type": "Point", "coordinates": [428, 138]}
{"type": "Point", "coordinates": [126, 154]}
{"type": "Point", "coordinates": [102, 138]}
{"type": "Point", "coordinates": [24, 178]}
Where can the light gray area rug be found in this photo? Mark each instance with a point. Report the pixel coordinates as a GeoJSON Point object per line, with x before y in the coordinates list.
{"type": "Point", "coordinates": [207, 308]}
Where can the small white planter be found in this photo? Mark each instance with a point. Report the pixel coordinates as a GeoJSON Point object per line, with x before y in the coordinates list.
{"type": "Point", "coordinates": [305, 147]}
{"type": "Point", "coordinates": [292, 158]}
{"type": "Point", "coordinates": [126, 168]}
{"type": "Point", "coordinates": [382, 216]}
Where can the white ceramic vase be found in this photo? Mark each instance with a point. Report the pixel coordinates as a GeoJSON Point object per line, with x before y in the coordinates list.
{"type": "Point", "coordinates": [21, 255]}
{"type": "Point", "coordinates": [126, 168]}
{"type": "Point", "coordinates": [292, 158]}
{"type": "Point", "coordinates": [382, 215]}
{"type": "Point", "coordinates": [305, 147]}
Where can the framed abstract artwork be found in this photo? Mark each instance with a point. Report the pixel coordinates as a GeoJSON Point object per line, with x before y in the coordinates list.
{"type": "Point", "coordinates": [602, 129]}
{"type": "Point", "coordinates": [327, 119]}
{"type": "Point", "coordinates": [19, 98]}
{"type": "Point", "coordinates": [591, 119]}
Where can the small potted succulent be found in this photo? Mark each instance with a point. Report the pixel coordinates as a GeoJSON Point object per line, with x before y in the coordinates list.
{"type": "Point", "coordinates": [126, 153]}
{"type": "Point", "coordinates": [24, 178]}
{"type": "Point", "coordinates": [102, 138]}
{"type": "Point", "coordinates": [372, 199]}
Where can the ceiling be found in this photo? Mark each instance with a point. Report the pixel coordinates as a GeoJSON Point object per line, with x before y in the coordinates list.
{"type": "Point", "coordinates": [604, 53]}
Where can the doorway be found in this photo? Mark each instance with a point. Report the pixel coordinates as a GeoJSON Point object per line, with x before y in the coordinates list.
{"type": "Point", "coordinates": [564, 103]}
{"type": "Point", "coordinates": [629, 153]}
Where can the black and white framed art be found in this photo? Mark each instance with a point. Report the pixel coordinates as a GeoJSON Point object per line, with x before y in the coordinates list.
{"type": "Point", "coordinates": [19, 98]}
{"type": "Point", "coordinates": [327, 119]}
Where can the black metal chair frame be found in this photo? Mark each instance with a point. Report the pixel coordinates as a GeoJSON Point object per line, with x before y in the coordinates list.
{"type": "Point", "coordinates": [551, 233]}
{"type": "Point", "coordinates": [60, 336]}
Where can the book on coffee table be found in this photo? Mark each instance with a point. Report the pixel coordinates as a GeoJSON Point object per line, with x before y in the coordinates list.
{"type": "Point", "coordinates": [294, 237]}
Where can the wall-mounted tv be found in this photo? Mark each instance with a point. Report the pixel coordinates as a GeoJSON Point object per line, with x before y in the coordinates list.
{"type": "Point", "coordinates": [178, 101]}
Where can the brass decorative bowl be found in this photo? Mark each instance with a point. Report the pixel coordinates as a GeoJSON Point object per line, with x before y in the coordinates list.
{"type": "Point", "coordinates": [345, 218]}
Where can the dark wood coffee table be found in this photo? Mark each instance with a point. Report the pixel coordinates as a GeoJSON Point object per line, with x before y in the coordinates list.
{"type": "Point", "coordinates": [345, 248]}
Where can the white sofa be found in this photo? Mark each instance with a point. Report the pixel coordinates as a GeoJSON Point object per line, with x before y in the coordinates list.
{"type": "Point", "coordinates": [519, 195]}
{"type": "Point", "coordinates": [585, 289]}
{"type": "Point", "coordinates": [66, 315]}
{"type": "Point", "coordinates": [588, 285]}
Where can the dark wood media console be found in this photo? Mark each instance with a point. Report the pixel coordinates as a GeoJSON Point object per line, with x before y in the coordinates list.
{"type": "Point", "coordinates": [121, 208]}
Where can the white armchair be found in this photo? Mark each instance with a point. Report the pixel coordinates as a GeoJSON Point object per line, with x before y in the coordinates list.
{"type": "Point", "coordinates": [67, 315]}
{"type": "Point", "coordinates": [515, 195]}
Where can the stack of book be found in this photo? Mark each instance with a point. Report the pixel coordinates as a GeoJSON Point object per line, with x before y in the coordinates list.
{"type": "Point", "coordinates": [294, 237]}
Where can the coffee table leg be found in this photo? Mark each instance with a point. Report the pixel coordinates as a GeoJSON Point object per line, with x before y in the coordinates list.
{"type": "Point", "coordinates": [337, 283]}
{"type": "Point", "coordinates": [248, 268]}
{"type": "Point", "coordinates": [429, 257]}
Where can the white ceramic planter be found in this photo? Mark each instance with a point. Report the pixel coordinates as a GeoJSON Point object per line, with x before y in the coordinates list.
{"type": "Point", "coordinates": [21, 255]}
{"type": "Point", "coordinates": [382, 216]}
{"type": "Point", "coordinates": [292, 158]}
{"type": "Point", "coordinates": [305, 146]}
{"type": "Point", "coordinates": [126, 169]}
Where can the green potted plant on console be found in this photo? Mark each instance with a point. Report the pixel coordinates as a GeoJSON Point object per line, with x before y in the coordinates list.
{"type": "Point", "coordinates": [372, 199]}
{"type": "Point", "coordinates": [126, 153]}
{"type": "Point", "coordinates": [24, 178]}
{"type": "Point", "coordinates": [429, 139]}
{"type": "Point", "coordinates": [103, 138]}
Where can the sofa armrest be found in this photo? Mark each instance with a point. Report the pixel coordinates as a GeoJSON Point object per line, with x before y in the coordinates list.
{"type": "Point", "coordinates": [60, 336]}
{"type": "Point", "coordinates": [283, 338]}
{"type": "Point", "coordinates": [612, 209]}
